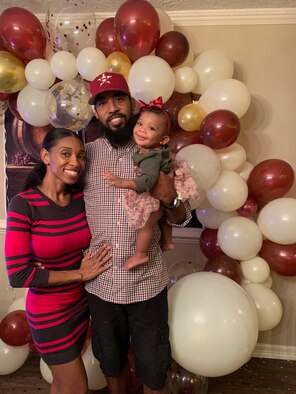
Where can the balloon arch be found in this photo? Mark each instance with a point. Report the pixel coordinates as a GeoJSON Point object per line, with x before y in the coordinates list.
{"type": "Point", "coordinates": [249, 226]}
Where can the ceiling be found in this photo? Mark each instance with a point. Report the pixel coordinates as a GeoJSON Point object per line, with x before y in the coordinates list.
{"type": "Point", "coordinates": [102, 6]}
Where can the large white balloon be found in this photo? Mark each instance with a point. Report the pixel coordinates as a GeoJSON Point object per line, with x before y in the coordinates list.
{"type": "Point", "coordinates": [12, 357]}
{"type": "Point", "coordinates": [213, 324]}
{"type": "Point", "coordinates": [63, 65]}
{"type": "Point", "coordinates": [203, 162]}
{"type": "Point", "coordinates": [240, 238]}
{"type": "Point", "coordinates": [256, 270]}
{"type": "Point", "coordinates": [277, 221]}
{"type": "Point", "coordinates": [228, 94]}
{"type": "Point", "coordinates": [31, 104]}
{"type": "Point", "coordinates": [268, 305]}
{"type": "Point", "coordinates": [45, 371]}
{"type": "Point", "coordinates": [212, 65]}
{"type": "Point", "coordinates": [211, 217]}
{"type": "Point", "coordinates": [90, 63]}
{"type": "Point", "coordinates": [232, 157]}
{"type": "Point", "coordinates": [39, 74]}
{"type": "Point", "coordinates": [95, 376]}
{"type": "Point", "coordinates": [150, 77]}
{"type": "Point", "coordinates": [228, 193]}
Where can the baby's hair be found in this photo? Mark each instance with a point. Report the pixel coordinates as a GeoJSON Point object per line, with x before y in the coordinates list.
{"type": "Point", "coordinates": [163, 112]}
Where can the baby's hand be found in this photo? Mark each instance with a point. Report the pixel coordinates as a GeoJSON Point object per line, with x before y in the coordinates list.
{"type": "Point", "coordinates": [112, 178]}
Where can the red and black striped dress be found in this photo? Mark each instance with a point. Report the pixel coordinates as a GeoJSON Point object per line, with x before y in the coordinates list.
{"type": "Point", "coordinates": [39, 230]}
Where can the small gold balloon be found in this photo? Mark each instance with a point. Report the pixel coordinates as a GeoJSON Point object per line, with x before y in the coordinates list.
{"type": "Point", "coordinates": [118, 62]}
{"type": "Point", "coordinates": [12, 73]}
{"type": "Point", "coordinates": [191, 116]}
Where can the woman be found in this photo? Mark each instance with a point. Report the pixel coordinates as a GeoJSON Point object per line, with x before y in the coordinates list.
{"type": "Point", "coordinates": [45, 237]}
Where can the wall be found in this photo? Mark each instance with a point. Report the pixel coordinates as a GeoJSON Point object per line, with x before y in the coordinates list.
{"type": "Point", "coordinates": [262, 46]}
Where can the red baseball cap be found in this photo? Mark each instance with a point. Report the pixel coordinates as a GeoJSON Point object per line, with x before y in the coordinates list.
{"type": "Point", "coordinates": [105, 82]}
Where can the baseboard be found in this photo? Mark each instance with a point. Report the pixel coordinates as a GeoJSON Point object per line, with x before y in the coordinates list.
{"type": "Point", "coordinates": [265, 350]}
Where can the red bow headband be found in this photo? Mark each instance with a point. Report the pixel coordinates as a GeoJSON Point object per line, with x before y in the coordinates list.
{"type": "Point", "coordinates": [156, 103]}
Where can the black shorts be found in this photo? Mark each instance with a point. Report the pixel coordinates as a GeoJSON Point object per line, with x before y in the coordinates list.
{"type": "Point", "coordinates": [145, 325]}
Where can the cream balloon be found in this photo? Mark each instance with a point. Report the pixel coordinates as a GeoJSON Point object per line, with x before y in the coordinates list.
{"type": "Point", "coordinates": [12, 357]}
{"type": "Point", "coordinates": [63, 65]}
{"type": "Point", "coordinates": [268, 305]}
{"type": "Point", "coordinates": [211, 217]}
{"type": "Point", "coordinates": [240, 238]}
{"type": "Point", "coordinates": [212, 65]}
{"type": "Point", "coordinates": [151, 77]}
{"type": "Point", "coordinates": [95, 376]}
{"type": "Point", "coordinates": [228, 193]}
{"type": "Point", "coordinates": [31, 104]}
{"type": "Point", "coordinates": [90, 63]}
{"type": "Point", "coordinates": [185, 79]}
{"type": "Point", "coordinates": [228, 94]}
{"type": "Point", "coordinates": [232, 157]}
{"type": "Point", "coordinates": [268, 282]}
{"type": "Point", "coordinates": [213, 324]}
{"type": "Point", "coordinates": [203, 162]}
{"type": "Point", "coordinates": [39, 74]}
{"type": "Point", "coordinates": [256, 270]}
{"type": "Point", "coordinates": [277, 221]}
{"type": "Point", "coordinates": [45, 371]}
{"type": "Point", "coordinates": [165, 21]}
{"type": "Point", "coordinates": [245, 169]}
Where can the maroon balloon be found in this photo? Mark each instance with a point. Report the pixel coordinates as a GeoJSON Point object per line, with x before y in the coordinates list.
{"type": "Point", "coordinates": [226, 266]}
{"type": "Point", "coordinates": [209, 244]}
{"type": "Point", "coordinates": [248, 209]}
{"type": "Point", "coordinates": [270, 179]}
{"type": "Point", "coordinates": [280, 258]}
{"type": "Point", "coordinates": [137, 28]}
{"type": "Point", "coordinates": [14, 329]}
{"type": "Point", "coordinates": [173, 47]}
{"type": "Point", "coordinates": [105, 37]}
{"type": "Point", "coordinates": [2, 47]}
{"type": "Point", "coordinates": [175, 103]}
{"type": "Point", "coordinates": [180, 138]}
{"type": "Point", "coordinates": [12, 105]}
{"type": "Point", "coordinates": [22, 34]}
{"type": "Point", "coordinates": [220, 129]}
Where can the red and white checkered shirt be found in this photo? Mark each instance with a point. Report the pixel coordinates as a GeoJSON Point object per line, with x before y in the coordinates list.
{"type": "Point", "coordinates": [108, 225]}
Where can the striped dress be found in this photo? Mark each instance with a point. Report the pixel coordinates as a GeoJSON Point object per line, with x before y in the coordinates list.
{"type": "Point", "coordinates": [39, 230]}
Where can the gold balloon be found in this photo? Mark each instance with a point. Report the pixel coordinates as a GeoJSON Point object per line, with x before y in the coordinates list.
{"type": "Point", "coordinates": [191, 116]}
{"type": "Point", "coordinates": [118, 62]}
{"type": "Point", "coordinates": [12, 73]}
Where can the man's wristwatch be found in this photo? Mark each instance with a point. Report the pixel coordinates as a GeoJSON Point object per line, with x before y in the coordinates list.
{"type": "Point", "coordinates": [174, 205]}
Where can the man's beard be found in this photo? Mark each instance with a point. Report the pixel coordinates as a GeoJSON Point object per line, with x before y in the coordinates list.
{"type": "Point", "coordinates": [120, 137]}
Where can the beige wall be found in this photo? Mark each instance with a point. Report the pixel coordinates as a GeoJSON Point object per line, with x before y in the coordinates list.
{"type": "Point", "coordinates": [265, 61]}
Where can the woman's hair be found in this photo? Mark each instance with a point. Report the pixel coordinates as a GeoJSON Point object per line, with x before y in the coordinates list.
{"type": "Point", "coordinates": [36, 176]}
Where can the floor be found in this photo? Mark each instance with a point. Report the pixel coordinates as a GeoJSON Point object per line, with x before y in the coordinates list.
{"type": "Point", "coordinates": [260, 376]}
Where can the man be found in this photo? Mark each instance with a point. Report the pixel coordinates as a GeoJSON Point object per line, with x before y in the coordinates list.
{"type": "Point", "coordinates": [126, 306]}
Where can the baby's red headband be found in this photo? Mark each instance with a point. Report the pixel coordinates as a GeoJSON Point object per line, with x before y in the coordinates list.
{"type": "Point", "coordinates": [156, 103]}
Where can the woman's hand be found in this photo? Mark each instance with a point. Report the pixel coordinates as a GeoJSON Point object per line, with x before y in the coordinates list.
{"type": "Point", "coordinates": [95, 265]}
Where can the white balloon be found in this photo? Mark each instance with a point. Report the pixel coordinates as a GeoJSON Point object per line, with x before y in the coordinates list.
{"type": "Point", "coordinates": [240, 238]}
{"type": "Point", "coordinates": [228, 193]}
{"type": "Point", "coordinates": [18, 304]}
{"type": "Point", "coordinates": [244, 170]}
{"type": "Point", "coordinates": [150, 77]}
{"type": "Point", "coordinates": [268, 305]}
{"type": "Point", "coordinates": [185, 79]}
{"type": "Point", "coordinates": [213, 324]}
{"type": "Point", "coordinates": [96, 378]}
{"type": "Point", "coordinates": [165, 21]}
{"type": "Point", "coordinates": [31, 104]}
{"type": "Point", "coordinates": [232, 157]}
{"type": "Point", "coordinates": [277, 221]}
{"type": "Point", "coordinates": [90, 63]}
{"type": "Point", "coordinates": [211, 217]}
{"type": "Point", "coordinates": [212, 65]}
{"type": "Point", "coordinates": [45, 371]}
{"type": "Point", "coordinates": [12, 357]}
{"type": "Point", "coordinates": [268, 282]}
{"type": "Point", "coordinates": [228, 94]}
{"type": "Point", "coordinates": [203, 162]}
{"type": "Point", "coordinates": [39, 74]}
{"type": "Point", "coordinates": [63, 65]}
{"type": "Point", "coordinates": [255, 270]}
